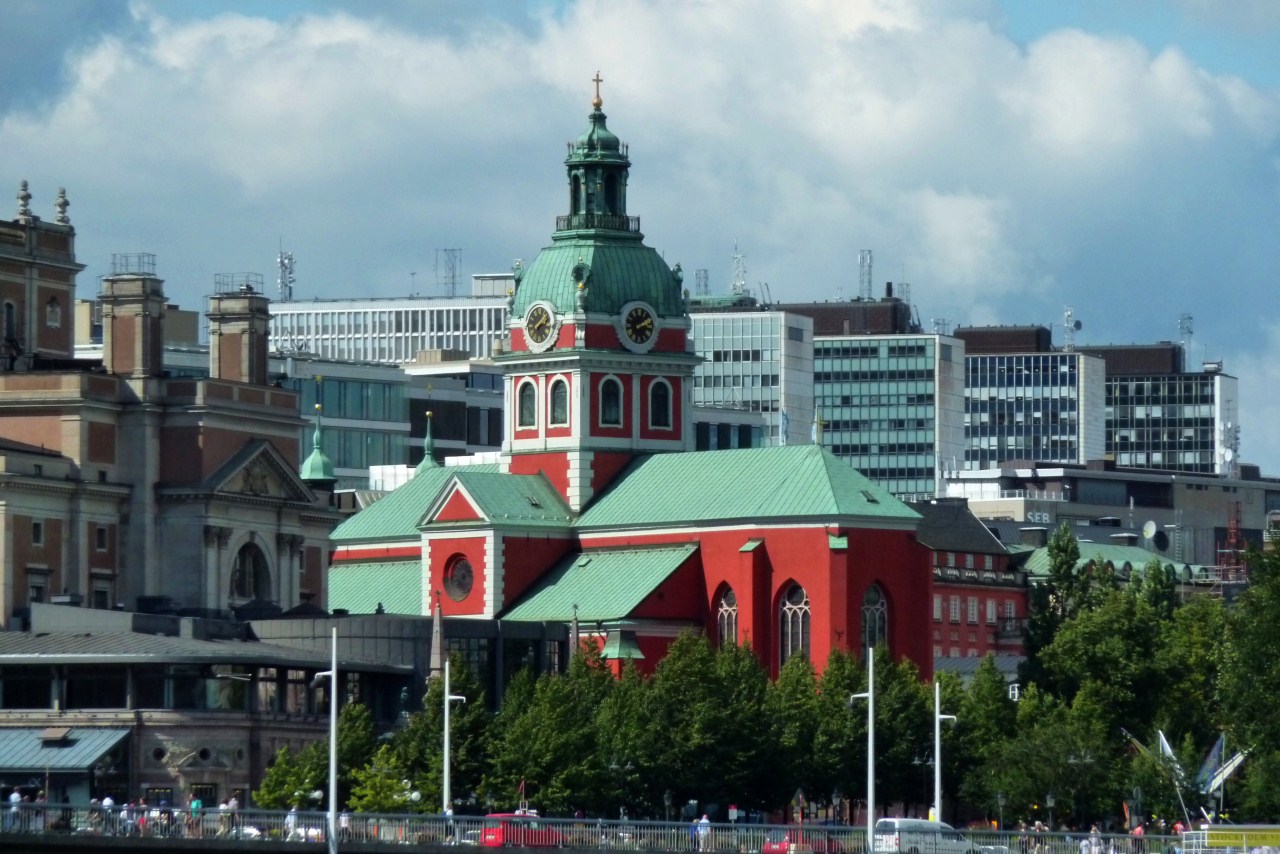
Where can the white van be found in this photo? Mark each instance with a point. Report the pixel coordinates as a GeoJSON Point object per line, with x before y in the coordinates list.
{"type": "Point", "coordinates": [917, 836]}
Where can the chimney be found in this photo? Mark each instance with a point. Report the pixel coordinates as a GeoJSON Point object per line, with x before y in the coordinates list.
{"type": "Point", "coordinates": [888, 290]}
{"type": "Point", "coordinates": [238, 328]}
{"type": "Point", "coordinates": [133, 317]}
{"type": "Point", "coordinates": [1034, 536]}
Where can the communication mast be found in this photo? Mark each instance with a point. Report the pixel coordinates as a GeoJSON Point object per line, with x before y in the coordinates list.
{"type": "Point", "coordinates": [864, 274]}
{"type": "Point", "coordinates": [447, 273]}
{"type": "Point", "coordinates": [1184, 336]}
{"type": "Point", "coordinates": [1070, 326]}
{"type": "Point", "coordinates": [701, 287]}
{"type": "Point", "coordinates": [286, 279]}
{"type": "Point", "coordinates": [738, 286]}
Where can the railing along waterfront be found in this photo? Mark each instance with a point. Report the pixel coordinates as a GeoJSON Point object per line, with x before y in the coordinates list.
{"type": "Point", "coordinates": [356, 828]}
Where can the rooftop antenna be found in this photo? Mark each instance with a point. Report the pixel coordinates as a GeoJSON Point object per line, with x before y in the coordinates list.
{"type": "Point", "coordinates": [413, 283]}
{"type": "Point", "coordinates": [447, 273]}
{"type": "Point", "coordinates": [940, 326]}
{"type": "Point", "coordinates": [864, 274]}
{"type": "Point", "coordinates": [1070, 326]}
{"type": "Point", "coordinates": [701, 286]}
{"type": "Point", "coordinates": [1184, 335]}
{"type": "Point", "coordinates": [284, 261]}
{"type": "Point", "coordinates": [738, 285]}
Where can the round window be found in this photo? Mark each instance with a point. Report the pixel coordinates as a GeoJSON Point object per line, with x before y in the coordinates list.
{"type": "Point", "coordinates": [458, 579]}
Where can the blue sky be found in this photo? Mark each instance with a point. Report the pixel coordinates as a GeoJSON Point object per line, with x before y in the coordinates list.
{"type": "Point", "coordinates": [1005, 159]}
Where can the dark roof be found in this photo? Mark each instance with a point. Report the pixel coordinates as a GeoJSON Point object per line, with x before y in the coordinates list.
{"type": "Point", "coordinates": [35, 749]}
{"type": "Point", "coordinates": [139, 648]}
{"type": "Point", "coordinates": [23, 447]}
{"type": "Point", "coordinates": [965, 668]}
{"type": "Point", "coordinates": [949, 525]}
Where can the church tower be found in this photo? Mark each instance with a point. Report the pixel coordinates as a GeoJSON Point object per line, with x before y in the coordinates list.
{"type": "Point", "coordinates": [599, 368]}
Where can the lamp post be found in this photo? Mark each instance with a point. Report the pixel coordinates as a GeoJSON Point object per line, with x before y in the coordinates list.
{"type": "Point", "coordinates": [331, 822]}
{"type": "Point", "coordinates": [938, 718]}
{"type": "Point", "coordinates": [1000, 799]}
{"type": "Point", "coordinates": [1048, 802]}
{"type": "Point", "coordinates": [448, 701]}
{"type": "Point", "coordinates": [870, 697]}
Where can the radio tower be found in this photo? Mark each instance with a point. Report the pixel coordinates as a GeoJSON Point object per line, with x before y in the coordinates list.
{"type": "Point", "coordinates": [448, 276]}
{"type": "Point", "coordinates": [285, 282]}
{"type": "Point", "coordinates": [701, 287]}
{"type": "Point", "coordinates": [739, 284]}
{"type": "Point", "coordinates": [864, 274]}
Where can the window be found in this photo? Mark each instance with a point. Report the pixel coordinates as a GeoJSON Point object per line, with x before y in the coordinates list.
{"type": "Point", "coordinates": [937, 607]}
{"type": "Point", "coordinates": [458, 578]}
{"type": "Point", "coordinates": [660, 404]}
{"type": "Point", "coordinates": [53, 313]}
{"type": "Point", "coordinates": [37, 533]}
{"type": "Point", "coordinates": [100, 538]}
{"type": "Point", "coordinates": [968, 561]}
{"type": "Point", "coordinates": [250, 577]}
{"type": "Point", "coordinates": [875, 617]}
{"type": "Point", "coordinates": [727, 618]}
{"type": "Point", "coordinates": [973, 609]}
{"type": "Point", "coordinates": [793, 624]}
{"type": "Point", "coordinates": [955, 609]}
{"type": "Point", "coordinates": [611, 402]}
{"type": "Point", "coordinates": [527, 406]}
{"type": "Point", "coordinates": [991, 612]}
{"type": "Point", "coordinates": [559, 403]}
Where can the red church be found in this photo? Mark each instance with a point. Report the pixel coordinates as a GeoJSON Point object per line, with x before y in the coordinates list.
{"type": "Point", "coordinates": [598, 512]}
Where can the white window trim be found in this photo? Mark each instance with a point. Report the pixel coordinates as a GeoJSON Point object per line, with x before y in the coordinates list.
{"type": "Point", "coordinates": [520, 425]}
{"type": "Point", "coordinates": [558, 380]}
{"type": "Point", "coordinates": [671, 405]}
{"type": "Point", "coordinates": [621, 401]}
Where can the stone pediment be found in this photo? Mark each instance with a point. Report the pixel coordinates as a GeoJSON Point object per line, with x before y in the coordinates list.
{"type": "Point", "coordinates": [259, 471]}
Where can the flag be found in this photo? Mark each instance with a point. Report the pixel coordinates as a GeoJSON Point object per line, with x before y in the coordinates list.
{"type": "Point", "coordinates": [1212, 763]}
{"type": "Point", "coordinates": [1164, 745]}
{"type": "Point", "coordinates": [1125, 805]}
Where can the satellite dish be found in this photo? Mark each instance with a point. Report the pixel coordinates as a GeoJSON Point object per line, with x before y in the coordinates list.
{"type": "Point", "coordinates": [1228, 455]}
{"type": "Point", "coordinates": [1077, 325]}
{"type": "Point", "coordinates": [1149, 530]}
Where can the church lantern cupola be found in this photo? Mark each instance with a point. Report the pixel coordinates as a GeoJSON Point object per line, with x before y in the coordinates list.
{"type": "Point", "coordinates": [598, 168]}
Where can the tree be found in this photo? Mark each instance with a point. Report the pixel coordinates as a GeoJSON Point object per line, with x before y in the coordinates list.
{"type": "Point", "coordinates": [294, 775]}
{"type": "Point", "coordinates": [984, 721]}
{"type": "Point", "coordinates": [1052, 601]}
{"type": "Point", "coordinates": [792, 704]}
{"type": "Point", "coordinates": [382, 785]}
{"type": "Point", "coordinates": [1250, 675]}
{"type": "Point", "coordinates": [839, 755]}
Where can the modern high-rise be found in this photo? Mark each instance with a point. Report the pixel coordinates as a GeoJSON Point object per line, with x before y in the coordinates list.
{"type": "Point", "coordinates": [1034, 406]}
{"type": "Point", "coordinates": [759, 361]}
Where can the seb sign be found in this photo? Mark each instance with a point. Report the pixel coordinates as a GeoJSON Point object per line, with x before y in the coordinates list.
{"type": "Point", "coordinates": [1040, 514]}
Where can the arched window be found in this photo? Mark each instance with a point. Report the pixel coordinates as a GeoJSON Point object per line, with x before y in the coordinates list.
{"type": "Point", "coordinates": [250, 576]}
{"type": "Point", "coordinates": [527, 408]}
{"type": "Point", "coordinates": [793, 624]}
{"type": "Point", "coordinates": [727, 617]}
{"type": "Point", "coordinates": [660, 404]}
{"type": "Point", "coordinates": [875, 617]}
{"type": "Point", "coordinates": [575, 195]}
{"type": "Point", "coordinates": [458, 578]}
{"type": "Point", "coordinates": [611, 194]}
{"type": "Point", "coordinates": [559, 403]}
{"type": "Point", "coordinates": [611, 402]}
{"type": "Point", "coordinates": [53, 313]}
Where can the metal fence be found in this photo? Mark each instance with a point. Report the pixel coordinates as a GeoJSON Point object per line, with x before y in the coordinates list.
{"type": "Point", "coordinates": [538, 832]}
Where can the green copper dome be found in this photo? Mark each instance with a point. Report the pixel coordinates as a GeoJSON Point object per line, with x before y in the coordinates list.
{"type": "Point", "coordinates": [597, 245]}
{"type": "Point", "coordinates": [317, 469]}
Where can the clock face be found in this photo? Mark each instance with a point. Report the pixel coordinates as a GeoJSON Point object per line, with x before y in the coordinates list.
{"type": "Point", "coordinates": [639, 324]}
{"type": "Point", "coordinates": [537, 324]}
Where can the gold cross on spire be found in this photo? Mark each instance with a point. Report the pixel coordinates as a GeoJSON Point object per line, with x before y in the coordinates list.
{"type": "Point", "coordinates": [596, 102]}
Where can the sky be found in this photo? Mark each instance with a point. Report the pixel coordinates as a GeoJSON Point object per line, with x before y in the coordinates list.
{"type": "Point", "coordinates": [1006, 159]}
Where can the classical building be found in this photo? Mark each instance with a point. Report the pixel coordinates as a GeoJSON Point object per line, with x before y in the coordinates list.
{"type": "Point", "coordinates": [598, 512]}
{"type": "Point", "coordinates": [126, 487]}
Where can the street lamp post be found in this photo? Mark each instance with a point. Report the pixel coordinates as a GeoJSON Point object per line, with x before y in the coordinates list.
{"type": "Point", "coordinates": [938, 718]}
{"type": "Point", "coordinates": [448, 701]}
{"type": "Point", "coordinates": [1000, 799]}
{"type": "Point", "coordinates": [870, 697]}
{"type": "Point", "coordinates": [331, 822]}
{"type": "Point", "coordinates": [1048, 802]}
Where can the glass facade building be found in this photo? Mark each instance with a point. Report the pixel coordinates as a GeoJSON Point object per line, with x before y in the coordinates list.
{"type": "Point", "coordinates": [1046, 407]}
{"type": "Point", "coordinates": [758, 361]}
{"type": "Point", "coordinates": [1179, 422]}
{"type": "Point", "coordinates": [892, 405]}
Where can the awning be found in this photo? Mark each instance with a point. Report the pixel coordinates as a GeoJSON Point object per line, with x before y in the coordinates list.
{"type": "Point", "coordinates": [29, 750]}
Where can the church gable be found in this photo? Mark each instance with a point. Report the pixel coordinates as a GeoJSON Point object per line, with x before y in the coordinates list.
{"type": "Point", "coordinates": [454, 505]}
{"type": "Point", "coordinates": [258, 471]}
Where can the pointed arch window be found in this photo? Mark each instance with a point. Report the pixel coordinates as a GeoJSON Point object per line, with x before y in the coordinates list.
{"type": "Point", "coordinates": [660, 404]}
{"type": "Point", "coordinates": [727, 618]}
{"type": "Point", "coordinates": [611, 402]}
{"type": "Point", "coordinates": [250, 576]}
{"type": "Point", "coordinates": [875, 617]}
{"type": "Point", "coordinates": [559, 403]}
{"type": "Point", "coordinates": [527, 405]}
{"type": "Point", "coordinates": [793, 623]}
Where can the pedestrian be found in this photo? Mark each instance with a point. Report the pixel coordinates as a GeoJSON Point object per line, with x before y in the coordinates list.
{"type": "Point", "coordinates": [704, 832]}
{"type": "Point", "coordinates": [15, 806]}
{"type": "Point", "coordinates": [194, 806]}
{"type": "Point", "coordinates": [344, 826]}
{"type": "Point", "coordinates": [108, 814]}
{"type": "Point", "coordinates": [291, 824]}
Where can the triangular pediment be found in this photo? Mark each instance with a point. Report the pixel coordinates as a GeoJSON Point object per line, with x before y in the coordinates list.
{"type": "Point", "coordinates": [454, 504]}
{"type": "Point", "coordinates": [259, 471]}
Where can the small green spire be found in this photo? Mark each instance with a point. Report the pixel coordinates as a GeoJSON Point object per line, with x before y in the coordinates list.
{"type": "Point", "coordinates": [317, 469]}
{"type": "Point", "coordinates": [428, 448]}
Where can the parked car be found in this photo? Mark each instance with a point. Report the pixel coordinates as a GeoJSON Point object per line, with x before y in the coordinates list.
{"type": "Point", "coordinates": [918, 836]}
{"type": "Point", "coordinates": [801, 838]}
{"type": "Point", "coordinates": [519, 830]}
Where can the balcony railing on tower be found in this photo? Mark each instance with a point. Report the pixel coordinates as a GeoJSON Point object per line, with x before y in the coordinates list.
{"type": "Point", "coordinates": [612, 222]}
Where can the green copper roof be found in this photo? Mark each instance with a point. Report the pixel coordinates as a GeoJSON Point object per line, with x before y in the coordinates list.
{"type": "Point", "coordinates": [756, 484]}
{"type": "Point", "coordinates": [397, 514]}
{"type": "Point", "coordinates": [512, 498]}
{"type": "Point", "coordinates": [605, 584]}
{"type": "Point", "coordinates": [1125, 559]}
{"type": "Point", "coordinates": [621, 645]}
{"type": "Point", "coordinates": [619, 269]}
{"type": "Point", "coordinates": [361, 587]}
